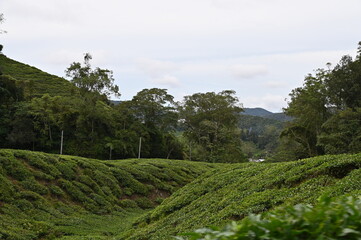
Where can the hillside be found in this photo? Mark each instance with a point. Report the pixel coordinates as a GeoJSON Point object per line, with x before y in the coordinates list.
{"type": "Point", "coordinates": [36, 81]}
{"type": "Point", "coordinates": [260, 112]}
{"type": "Point", "coordinates": [44, 195]}
{"type": "Point", "coordinates": [234, 191]}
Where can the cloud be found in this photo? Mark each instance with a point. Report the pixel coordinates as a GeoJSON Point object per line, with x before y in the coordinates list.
{"type": "Point", "coordinates": [242, 71]}
{"type": "Point", "coordinates": [269, 101]}
{"type": "Point", "coordinates": [155, 68]}
{"type": "Point", "coordinates": [275, 84]}
{"type": "Point", "coordinates": [167, 80]}
{"type": "Point", "coordinates": [160, 72]}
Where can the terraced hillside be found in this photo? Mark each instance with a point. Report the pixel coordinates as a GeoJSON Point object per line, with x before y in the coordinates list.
{"type": "Point", "coordinates": [234, 191]}
{"type": "Point", "coordinates": [44, 196]}
{"type": "Point", "coordinates": [37, 81]}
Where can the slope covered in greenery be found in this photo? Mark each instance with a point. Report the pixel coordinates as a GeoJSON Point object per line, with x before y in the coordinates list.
{"type": "Point", "coordinates": [44, 196]}
{"type": "Point", "coordinates": [36, 81]}
{"type": "Point", "coordinates": [234, 191]}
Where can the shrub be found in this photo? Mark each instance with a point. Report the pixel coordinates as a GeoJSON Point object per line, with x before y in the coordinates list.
{"type": "Point", "coordinates": [56, 190]}
{"type": "Point", "coordinates": [34, 186]}
{"type": "Point", "coordinates": [144, 202]}
{"type": "Point", "coordinates": [328, 219]}
{"type": "Point", "coordinates": [127, 203]}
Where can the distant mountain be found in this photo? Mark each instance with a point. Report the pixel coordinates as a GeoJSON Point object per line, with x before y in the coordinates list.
{"type": "Point", "coordinates": [260, 112]}
{"type": "Point", "coordinates": [279, 117]}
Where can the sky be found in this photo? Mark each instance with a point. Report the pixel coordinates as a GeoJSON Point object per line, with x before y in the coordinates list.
{"type": "Point", "coordinates": [262, 49]}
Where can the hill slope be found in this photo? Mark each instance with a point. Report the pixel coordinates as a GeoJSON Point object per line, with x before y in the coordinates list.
{"type": "Point", "coordinates": [234, 191]}
{"type": "Point", "coordinates": [37, 81]}
{"type": "Point", "coordinates": [44, 195]}
{"type": "Point", "coordinates": [260, 112]}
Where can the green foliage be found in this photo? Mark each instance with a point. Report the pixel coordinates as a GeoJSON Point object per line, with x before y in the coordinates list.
{"type": "Point", "coordinates": [326, 111]}
{"type": "Point", "coordinates": [342, 132]}
{"type": "Point", "coordinates": [210, 121]}
{"type": "Point", "coordinates": [37, 188]}
{"type": "Point", "coordinates": [92, 80]}
{"type": "Point", "coordinates": [328, 219]}
{"type": "Point", "coordinates": [35, 81]}
{"type": "Point", "coordinates": [232, 192]}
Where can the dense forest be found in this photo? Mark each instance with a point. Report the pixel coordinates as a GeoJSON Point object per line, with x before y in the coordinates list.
{"type": "Point", "coordinates": [39, 111]}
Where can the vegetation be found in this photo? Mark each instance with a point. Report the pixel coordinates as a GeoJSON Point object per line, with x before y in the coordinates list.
{"type": "Point", "coordinates": [259, 135]}
{"type": "Point", "coordinates": [210, 122]}
{"type": "Point", "coordinates": [234, 191]}
{"type": "Point", "coordinates": [46, 196]}
{"type": "Point", "coordinates": [37, 108]}
{"type": "Point", "coordinates": [326, 112]}
{"type": "Point", "coordinates": [328, 219]}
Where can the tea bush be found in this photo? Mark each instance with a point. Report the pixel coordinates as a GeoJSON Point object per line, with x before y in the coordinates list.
{"type": "Point", "coordinates": [330, 219]}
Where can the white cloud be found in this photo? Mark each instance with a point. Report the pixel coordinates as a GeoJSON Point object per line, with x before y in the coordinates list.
{"type": "Point", "coordinates": [244, 71]}
{"type": "Point", "coordinates": [270, 102]}
{"type": "Point", "coordinates": [160, 72]}
{"type": "Point", "coordinates": [155, 68]}
{"type": "Point", "coordinates": [275, 84]}
{"type": "Point", "coordinates": [167, 80]}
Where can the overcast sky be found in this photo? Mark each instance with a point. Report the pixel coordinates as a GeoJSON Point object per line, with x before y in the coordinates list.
{"type": "Point", "coordinates": [262, 49]}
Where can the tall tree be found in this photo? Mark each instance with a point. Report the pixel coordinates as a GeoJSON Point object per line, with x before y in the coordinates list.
{"type": "Point", "coordinates": [344, 83]}
{"type": "Point", "coordinates": [1, 21]}
{"type": "Point", "coordinates": [326, 110]}
{"type": "Point", "coordinates": [211, 121]}
{"type": "Point", "coordinates": [99, 81]}
{"type": "Point", "coordinates": [155, 108]}
{"type": "Point", "coordinates": [308, 106]}
{"type": "Point", "coordinates": [94, 121]}
{"type": "Point", "coordinates": [342, 132]}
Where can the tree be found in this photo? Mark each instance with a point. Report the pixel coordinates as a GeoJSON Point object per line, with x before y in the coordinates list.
{"type": "Point", "coordinates": [88, 80]}
{"type": "Point", "coordinates": [1, 21]}
{"type": "Point", "coordinates": [326, 110]}
{"type": "Point", "coordinates": [308, 106]}
{"type": "Point", "coordinates": [342, 132]}
{"type": "Point", "coordinates": [210, 121]}
{"type": "Point", "coordinates": [344, 83]}
{"type": "Point", "coordinates": [156, 110]}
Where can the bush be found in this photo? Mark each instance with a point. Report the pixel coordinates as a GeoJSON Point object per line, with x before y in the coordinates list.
{"type": "Point", "coordinates": [127, 203]}
{"type": "Point", "coordinates": [144, 202]}
{"type": "Point", "coordinates": [329, 219]}
{"type": "Point", "coordinates": [34, 186]}
{"type": "Point", "coordinates": [56, 190]}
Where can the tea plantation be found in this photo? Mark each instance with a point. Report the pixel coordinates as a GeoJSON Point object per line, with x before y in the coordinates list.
{"type": "Point", "coordinates": [44, 196]}
{"type": "Point", "coordinates": [235, 191]}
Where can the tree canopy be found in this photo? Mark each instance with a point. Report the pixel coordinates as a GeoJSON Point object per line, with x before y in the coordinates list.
{"type": "Point", "coordinates": [326, 110]}
{"type": "Point", "coordinates": [211, 125]}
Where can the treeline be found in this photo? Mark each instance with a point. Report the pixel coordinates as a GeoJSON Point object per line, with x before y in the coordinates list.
{"type": "Point", "coordinates": [203, 127]}
{"type": "Point", "coordinates": [326, 111]}
{"type": "Point", "coordinates": [36, 109]}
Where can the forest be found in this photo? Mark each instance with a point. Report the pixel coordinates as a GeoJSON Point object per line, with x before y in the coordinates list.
{"type": "Point", "coordinates": [39, 109]}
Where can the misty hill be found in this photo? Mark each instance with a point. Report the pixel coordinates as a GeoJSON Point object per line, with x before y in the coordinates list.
{"type": "Point", "coordinates": [260, 112]}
